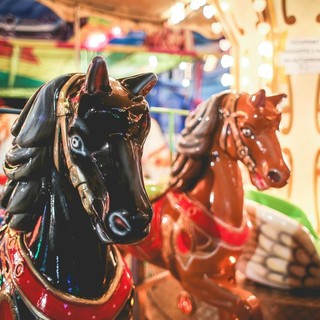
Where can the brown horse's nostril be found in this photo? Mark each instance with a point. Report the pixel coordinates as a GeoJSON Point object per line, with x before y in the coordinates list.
{"type": "Point", "coordinates": [274, 176]}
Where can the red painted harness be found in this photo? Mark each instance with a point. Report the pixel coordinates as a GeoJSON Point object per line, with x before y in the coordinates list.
{"type": "Point", "coordinates": [199, 216]}
{"type": "Point", "coordinates": [49, 303]}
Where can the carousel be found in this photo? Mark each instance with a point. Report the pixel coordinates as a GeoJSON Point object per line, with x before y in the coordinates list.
{"type": "Point", "coordinates": [154, 160]}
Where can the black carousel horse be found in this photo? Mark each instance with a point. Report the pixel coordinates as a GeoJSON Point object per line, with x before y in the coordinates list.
{"type": "Point", "coordinates": [74, 190]}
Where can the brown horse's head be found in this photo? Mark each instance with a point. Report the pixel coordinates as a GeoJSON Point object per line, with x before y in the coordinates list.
{"type": "Point", "coordinates": [251, 137]}
{"type": "Point", "coordinates": [248, 132]}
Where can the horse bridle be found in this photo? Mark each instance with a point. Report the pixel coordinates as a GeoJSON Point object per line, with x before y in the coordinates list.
{"type": "Point", "coordinates": [230, 114]}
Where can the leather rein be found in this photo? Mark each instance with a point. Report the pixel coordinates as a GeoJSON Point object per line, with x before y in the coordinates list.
{"type": "Point", "coordinates": [230, 114]}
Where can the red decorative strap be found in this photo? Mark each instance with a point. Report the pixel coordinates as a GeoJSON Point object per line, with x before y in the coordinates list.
{"type": "Point", "coordinates": [206, 220]}
{"type": "Point", "coordinates": [3, 179]}
{"type": "Point", "coordinates": [49, 302]}
{"type": "Point", "coordinates": [151, 246]}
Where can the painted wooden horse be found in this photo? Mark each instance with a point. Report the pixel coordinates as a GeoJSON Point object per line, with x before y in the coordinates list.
{"type": "Point", "coordinates": [199, 227]}
{"type": "Point", "coordinates": [74, 190]}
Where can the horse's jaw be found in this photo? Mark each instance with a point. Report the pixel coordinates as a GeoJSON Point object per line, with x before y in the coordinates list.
{"type": "Point", "coordinates": [273, 179]}
{"type": "Point", "coordinates": [258, 181]}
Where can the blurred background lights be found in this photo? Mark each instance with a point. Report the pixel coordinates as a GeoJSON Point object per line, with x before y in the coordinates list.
{"type": "Point", "coordinates": [196, 4]}
{"type": "Point", "coordinates": [116, 31]}
{"type": "Point", "coordinates": [227, 80]}
{"type": "Point", "coordinates": [245, 81]}
{"type": "Point", "coordinates": [245, 62]}
{"type": "Point", "coordinates": [177, 13]}
{"type": "Point", "coordinates": [224, 44]}
{"type": "Point", "coordinates": [153, 61]}
{"type": "Point", "coordinates": [183, 65]}
{"type": "Point", "coordinates": [209, 11]}
{"type": "Point", "coordinates": [185, 82]}
{"type": "Point", "coordinates": [226, 61]}
{"type": "Point", "coordinates": [259, 5]}
{"type": "Point", "coordinates": [265, 49]}
{"type": "Point", "coordinates": [263, 28]}
{"type": "Point", "coordinates": [96, 40]}
{"type": "Point", "coordinates": [210, 63]}
{"type": "Point", "coordinates": [265, 71]}
{"type": "Point", "coordinates": [225, 6]}
{"type": "Point", "coordinates": [216, 27]}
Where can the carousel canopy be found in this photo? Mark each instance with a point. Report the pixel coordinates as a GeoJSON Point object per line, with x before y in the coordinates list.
{"type": "Point", "coordinates": [40, 40]}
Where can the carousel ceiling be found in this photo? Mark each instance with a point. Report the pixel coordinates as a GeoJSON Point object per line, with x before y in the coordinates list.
{"type": "Point", "coordinates": [33, 33]}
{"type": "Point", "coordinates": [136, 14]}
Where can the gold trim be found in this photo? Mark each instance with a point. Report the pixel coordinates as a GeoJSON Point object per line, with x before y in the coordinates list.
{"type": "Point", "coordinates": [317, 106]}
{"type": "Point", "coordinates": [316, 176]}
{"type": "Point", "coordinates": [76, 176]}
{"type": "Point", "coordinates": [4, 297]}
{"type": "Point", "coordinates": [289, 108]}
{"type": "Point", "coordinates": [288, 155]}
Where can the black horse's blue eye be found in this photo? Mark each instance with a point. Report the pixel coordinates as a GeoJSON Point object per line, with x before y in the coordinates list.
{"type": "Point", "coordinates": [76, 142]}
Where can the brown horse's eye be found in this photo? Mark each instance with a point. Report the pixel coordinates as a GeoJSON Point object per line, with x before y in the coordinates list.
{"type": "Point", "coordinates": [247, 132]}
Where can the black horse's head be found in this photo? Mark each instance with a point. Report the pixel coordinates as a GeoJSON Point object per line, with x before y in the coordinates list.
{"type": "Point", "coordinates": [95, 130]}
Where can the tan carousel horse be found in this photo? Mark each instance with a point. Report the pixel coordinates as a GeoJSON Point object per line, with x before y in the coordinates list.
{"type": "Point", "coordinates": [199, 226]}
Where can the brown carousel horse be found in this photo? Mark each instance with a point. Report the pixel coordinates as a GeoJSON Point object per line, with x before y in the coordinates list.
{"type": "Point", "coordinates": [74, 189]}
{"type": "Point", "coordinates": [199, 225]}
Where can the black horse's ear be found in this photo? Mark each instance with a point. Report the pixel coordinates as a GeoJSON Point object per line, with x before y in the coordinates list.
{"type": "Point", "coordinates": [35, 127]}
{"type": "Point", "coordinates": [97, 78]}
{"type": "Point", "coordinates": [140, 84]}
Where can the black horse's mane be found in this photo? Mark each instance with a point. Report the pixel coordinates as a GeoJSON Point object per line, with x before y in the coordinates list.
{"type": "Point", "coordinates": [28, 162]}
{"type": "Point", "coordinates": [195, 142]}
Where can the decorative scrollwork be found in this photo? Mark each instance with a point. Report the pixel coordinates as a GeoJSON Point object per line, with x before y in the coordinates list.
{"type": "Point", "coordinates": [288, 19]}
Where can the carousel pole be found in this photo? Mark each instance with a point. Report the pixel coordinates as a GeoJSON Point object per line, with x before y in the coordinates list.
{"type": "Point", "coordinates": [77, 38]}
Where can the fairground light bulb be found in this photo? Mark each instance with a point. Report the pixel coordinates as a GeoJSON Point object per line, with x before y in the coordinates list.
{"type": "Point", "coordinates": [183, 65]}
{"type": "Point", "coordinates": [227, 80]}
{"type": "Point", "coordinates": [216, 27]}
{"type": "Point", "coordinates": [245, 62]}
{"type": "Point", "coordinates": [185, 82]}
{"type": "Point", "coordinates": [265, 49]}
{"type": "Point", "coordinates": [263, 28]}
{"type": "Point", "coordinates": [153, 61]}
{"type": "Point", "coordinates": [259, 5]}
{"type": "Point", "coordinates": [96, 40]}
{"type": "Point", "coordinates": [209, 11]}
{"type": "Point", "coordinates": [226, 61]}
{"type": "Point", "coordinates": [265, 71]}
{"type": "Point", "coordinates": [245, 81]}
{"type": "Point", "coordinates": [177, 13]}
{"type": "Point", "coordinates": [225, 6]}
{"type": "Point", "coordinates": [224, 44]}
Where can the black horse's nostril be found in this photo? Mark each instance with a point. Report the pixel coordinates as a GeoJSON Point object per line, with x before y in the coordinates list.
{"type": "Point", "coordinates": [118, 224]}
{"type": "Point", "coordinates": [274, 176]}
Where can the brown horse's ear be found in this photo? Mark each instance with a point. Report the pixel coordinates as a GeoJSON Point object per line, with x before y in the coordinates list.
{"type": "Point", "coordinates": [97, 78]}
{"type": "Point", "coordinates": [275, 99]}
{"type": "Point", "coordinates": [140, 84]}
{"type": "Point", "coordinates": [259, 99]}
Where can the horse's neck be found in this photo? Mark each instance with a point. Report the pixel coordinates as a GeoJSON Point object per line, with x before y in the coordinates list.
{"type": "Point", "coordinates": [220, 189]}
{"type": "Point", "coordinates": [66, 249]}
